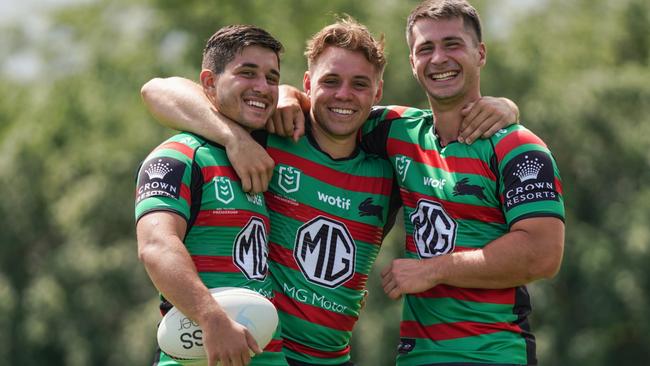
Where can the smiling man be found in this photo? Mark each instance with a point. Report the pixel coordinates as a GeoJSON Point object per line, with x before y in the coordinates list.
{"type": "Point", "coordinates": [482, 220]}
{"type": "Point", "coordinates": [196, 227]}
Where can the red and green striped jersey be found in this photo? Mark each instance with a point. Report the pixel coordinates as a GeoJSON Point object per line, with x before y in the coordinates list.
{"type": "Point", "coordinates": [227, 229]}
{"type": "Point", "coordinates": [461, 197]}
{"type": "Point", "coordinates": [329, 217]}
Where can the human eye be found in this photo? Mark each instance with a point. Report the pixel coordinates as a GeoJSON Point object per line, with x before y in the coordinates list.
{"type": "Point", "coordinates": [453, 44]}
{"type": "Point", "coordinates": [330, 81]}
{"type": "Point", "coordinates": [273, 79]}
{"type": "Point", "coordinates": [425, 49]}
{"type": "Point", "coordinates": [361, 84]}
{"type": "Point", "coordinates": [247, 73]}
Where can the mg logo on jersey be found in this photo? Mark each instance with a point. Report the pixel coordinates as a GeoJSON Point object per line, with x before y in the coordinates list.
{"type": "Point", "coordinates": [289, 179]}
{"type": "Point", "coordinates": [223, 190]}
{"type": "Point", "coordinates": [325, 252]}
{"type": "Point", "coordinates": [250, 250]}
{"type": "Point", "coordinates": [434, 231]}
{"type": "Point", "coordinates": [402, 164]}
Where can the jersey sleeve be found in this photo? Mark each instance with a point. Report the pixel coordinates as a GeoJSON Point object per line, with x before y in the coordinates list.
{"type": "Point", "coordinates": [164, 179]}
{"type": "Point", "coordinates": [530, 179]}
{"type": "Point", "coordinates": [375, 131]}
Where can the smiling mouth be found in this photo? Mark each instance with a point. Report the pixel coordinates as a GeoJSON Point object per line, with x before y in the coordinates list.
{"type": "Point", "coordinates": [443, 76]}
{"type": "Point", "coordinates": [342, 111]}
{"type": "Point", "coordinates": [256, 104]}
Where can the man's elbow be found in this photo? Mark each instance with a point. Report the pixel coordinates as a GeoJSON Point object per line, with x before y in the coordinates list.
{"type": "Point", "coordinates": [149, 89]}
{"type": "Point", "coordinates": [547, 265]}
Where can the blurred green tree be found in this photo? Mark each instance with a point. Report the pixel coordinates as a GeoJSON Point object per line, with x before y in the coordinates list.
{"type": "Point", "coordinates": [71, 289]}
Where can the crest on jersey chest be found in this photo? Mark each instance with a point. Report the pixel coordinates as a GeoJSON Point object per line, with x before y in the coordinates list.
{"type": "Point", "coordinates": [223, 190]}
{"type": "Point", "coordinates": [289, 179]}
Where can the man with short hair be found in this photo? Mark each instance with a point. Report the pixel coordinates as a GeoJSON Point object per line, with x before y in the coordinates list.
{"type": "Point", "coordinates": [482, 220]}
{"type": "Point", "coordinates": [194, 222]}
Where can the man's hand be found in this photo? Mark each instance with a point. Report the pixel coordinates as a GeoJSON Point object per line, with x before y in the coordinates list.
{"type": "Point", "coordinates": [289, 116]}
{"type": "Point", "coordinates": [252, 163]}
{"type": "Point", "coordinates": [228, 342]}
{"type": "Point", "coordinates": [484, 117]}
{"type": "Point", "coordinates": [407, 276]}
{"type": "Point", "coordinates": [288, 120]}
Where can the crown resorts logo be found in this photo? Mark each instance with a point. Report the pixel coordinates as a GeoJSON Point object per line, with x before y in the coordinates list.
{"type": "Point", "coordinates": [158, 170]}
{"type": "Point", "coordinates": [528, 170]}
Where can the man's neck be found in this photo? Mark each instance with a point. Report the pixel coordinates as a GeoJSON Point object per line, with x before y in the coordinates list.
{"type": "Point", "coordinates": [448, 118]}
{"type": "Point", "coordinates": [336, 147]}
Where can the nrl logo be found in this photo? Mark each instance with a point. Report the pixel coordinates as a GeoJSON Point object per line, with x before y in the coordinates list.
{"type": "Point", "coordinates": [289, 179]}
{"type": "Point", "coordinates": [402, 164]}
{"type": "Point", "coordinates": [223, 190]}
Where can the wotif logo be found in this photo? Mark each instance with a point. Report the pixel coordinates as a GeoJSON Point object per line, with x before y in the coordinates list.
{"type": "Point", "coordinates": [223, 190]}
{"type": "Point", "coordinates": [402, 164]}
{"type": "Point", "coordinates": [289, 179]}
{"type": "Point", "coordinates": [339, 202]}
{"type": "Point", "coordinates": [434, 183]}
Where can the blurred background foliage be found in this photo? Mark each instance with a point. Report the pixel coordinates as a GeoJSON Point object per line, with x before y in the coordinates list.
{"type": "Point", "coordinates": [73, 130]}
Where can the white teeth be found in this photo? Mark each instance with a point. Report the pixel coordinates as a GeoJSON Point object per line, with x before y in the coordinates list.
{"type": "Point", "coordinates": [443, 75]}
{"type": "Point", "coordinates": [253, 103]}
{"type": "Point", "coordinates": [342, 111]}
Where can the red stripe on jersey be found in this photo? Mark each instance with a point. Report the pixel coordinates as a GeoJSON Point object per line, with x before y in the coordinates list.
{"type": "Point", "coordinates": [441, 332]}
{"type": "Point", "coordinates": [303, 213]}
{"type": "Point", "coordinates": [224, 218]}
{"type": "Point", "coordinates": [182, 148]}
{"type": "Point", "coordinates": [300, 348]}
{"type": "Point", "coordinates": [274, 346]}
{"type": "Point", "coordinates": [210, 263]}
{"type": "Point", "coordinates": [314, 314]}
{"type": "Point", "coordinates": [333, 177]}
{"type": "Point", "coordinates": [558, 185]}
{"type": "Point", "coordinates": [186, 194]}
{"type": "Point", "coordinates": [515, 139]}
{"type": "Point", "coordinates": [457, 210]}
{"type": "Point", "coordinates": [210, 172]}
{"type": "Point", "coordinates": [284, 257]}
{"type": "Point", "coordinates": [395, 112]}
{"type": "Point", "coordinates": [432, 158]}
{"type": "Point", "coordinates": [501, 296]}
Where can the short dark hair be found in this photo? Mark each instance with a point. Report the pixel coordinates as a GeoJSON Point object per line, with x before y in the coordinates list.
{"type": "Point", "coordinates": [222, 47]}
{"type": "Point", "coordinates": [350, 35]}
{"type": "Point", "coordinates": [445, 9]}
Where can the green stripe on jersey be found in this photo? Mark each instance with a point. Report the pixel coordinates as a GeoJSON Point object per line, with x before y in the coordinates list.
{"type": "Point", "coordinates": [496, 348]}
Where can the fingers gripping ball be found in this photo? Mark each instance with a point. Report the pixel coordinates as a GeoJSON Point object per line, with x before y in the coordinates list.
{"type": "Point", "coordinates": [182, 339]}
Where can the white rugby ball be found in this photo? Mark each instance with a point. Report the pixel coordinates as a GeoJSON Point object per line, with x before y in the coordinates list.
{"type": "Point", "coordinates": [182, 339]}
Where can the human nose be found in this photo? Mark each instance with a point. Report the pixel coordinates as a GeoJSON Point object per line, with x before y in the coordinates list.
{"type": "Point", "coordinates": [438, 56]}
{"type": "Point", "coordinates": [344, 92]}
{"type": "Point", "coordinates": [262, 85]}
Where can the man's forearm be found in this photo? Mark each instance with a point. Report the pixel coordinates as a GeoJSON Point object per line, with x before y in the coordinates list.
{"type": "Point", "coordinates": [516, 258]}
{"type": "Point", "coordinates": [531, 250]}
{"type": "Point", "coordinates": [182, 105]}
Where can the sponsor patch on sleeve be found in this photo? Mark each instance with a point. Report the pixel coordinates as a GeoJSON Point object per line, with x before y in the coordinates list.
{"type": "Point", "coordinates": [529, 177]}
{"type": "Point", "coordinates": [160, 177]}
